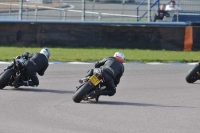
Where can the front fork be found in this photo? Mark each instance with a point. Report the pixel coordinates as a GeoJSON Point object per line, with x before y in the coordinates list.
{"type": "Point", "coordinates": [16, 79]}
{"type": "Point", "coordinates": [198, 73]}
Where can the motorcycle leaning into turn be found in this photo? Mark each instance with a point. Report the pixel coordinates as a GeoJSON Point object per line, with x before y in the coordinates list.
{"type": "Point", "coordinates": [193, 74]}
{"type": "Point", "coordinates": [14, 74]}
{"type": "Point", "coordinates": [89, 87]}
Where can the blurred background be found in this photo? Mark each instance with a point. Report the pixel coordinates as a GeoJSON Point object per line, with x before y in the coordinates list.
{"type": "Point", "coordinates": [94, 10]}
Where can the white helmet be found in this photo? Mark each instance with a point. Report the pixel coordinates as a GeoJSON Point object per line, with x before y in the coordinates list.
{"type": "Point", "coordinates": [46, 52]}
{"type": "Point", "coordinates": [119, 56]}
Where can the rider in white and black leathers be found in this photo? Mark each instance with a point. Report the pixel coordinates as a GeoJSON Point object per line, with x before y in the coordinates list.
{"type": "Point", "coordinates": [112, 69]}
{"type": "Point", "coordinates": [34, 63]}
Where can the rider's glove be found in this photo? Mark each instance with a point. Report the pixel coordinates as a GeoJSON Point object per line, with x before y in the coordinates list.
{"type": "Point", "coordinates": [18, 57]}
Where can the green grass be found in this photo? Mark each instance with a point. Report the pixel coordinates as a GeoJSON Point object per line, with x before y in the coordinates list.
{"type": "Point", "coordinates": [95, 54]}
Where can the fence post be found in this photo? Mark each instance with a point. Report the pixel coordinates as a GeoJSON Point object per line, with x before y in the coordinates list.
{"type": "Point", "coordinates": [149, 12]}
{"type": "Point", "coordinates": [83, 10]}
{"type": "Point", "coordinates": [60, 2]}
{"type": "Point", "coordinates": [99, 16]}
{"type": "Point", "coordinates": [123, 2]}
{"type": "Point", "coordinates": [158, 4]}
{"type": "Point", "coordinates": [20, 9]}
{"type": "Point", "coordinates": [93, 9]}
{"type": "Point", "coordinates": [36, 12]}
{"type": "Point", "coordinates": [9, 9]}
{"type": "Point", "coordinates": [64, 15]}
{"type": "Point", "coordinates": [26, 8]}
{"type": "Point", "coordinates": [137, 14]}
{"type": "Point", "coordinates": [177, 17]}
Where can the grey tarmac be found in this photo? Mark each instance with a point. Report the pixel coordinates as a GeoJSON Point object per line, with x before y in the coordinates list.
{"type": "Point", "coordinates": [149, 99]}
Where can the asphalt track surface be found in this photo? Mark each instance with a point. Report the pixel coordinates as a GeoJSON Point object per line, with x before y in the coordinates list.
{"type": "Point", "coordinates": [149, 99]}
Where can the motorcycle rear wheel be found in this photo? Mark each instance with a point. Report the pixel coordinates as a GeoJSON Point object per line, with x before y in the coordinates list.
{"type": "Point", "coordinates": [5, 77]}
{"type": "Point", "coordinates": [192, 75]}
{"type": "Point", "coordinates": [83, 91]}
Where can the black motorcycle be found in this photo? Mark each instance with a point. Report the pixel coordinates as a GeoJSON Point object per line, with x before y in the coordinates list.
{"type": "Point", "coordinates": [13, 75]}
{"type": "Point", "coordinates": [89, 87]}
{"type": "Point", "coordinates": [193, 74]}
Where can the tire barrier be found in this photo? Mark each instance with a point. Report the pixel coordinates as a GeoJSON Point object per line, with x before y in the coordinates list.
{"type": "Point", "coordinates": [188, 40]}
{"type": "Point", "coordinates": [155, 36]}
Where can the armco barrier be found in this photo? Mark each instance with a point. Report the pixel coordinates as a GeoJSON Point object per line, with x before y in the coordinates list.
{"type": "Point", "coordinates": [168, 36]}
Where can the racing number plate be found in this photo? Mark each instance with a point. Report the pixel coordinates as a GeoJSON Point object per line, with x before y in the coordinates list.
{"type": "Point", "coordinates": [95, 81]}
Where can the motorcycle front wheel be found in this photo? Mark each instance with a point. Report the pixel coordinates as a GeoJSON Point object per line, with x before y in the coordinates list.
{"type": "Point", "coordinates": [5, 77]}
{"type": "Point", "coordinates": [193, 74]}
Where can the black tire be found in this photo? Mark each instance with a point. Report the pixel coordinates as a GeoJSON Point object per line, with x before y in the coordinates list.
{"type": "Point", "coordinates": [80, 93]}
{"type": "Point", "coordinates": [5, 76]}
{"type": "Point", "coordinates": [192, 75]}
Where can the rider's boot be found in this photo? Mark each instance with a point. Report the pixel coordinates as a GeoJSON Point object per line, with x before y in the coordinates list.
{"type": "Point", "coordinates": [29, 83]}
{"type": "Point", "coordinates": [97, 98]}
{"type": "Point", "coordinates": [25, 83]}
{"type": "Point", "coordinates": [105, 92]}
{"type": "Point", "coordinates": [96, 95]}
{"type": "Point", "coordinates": [83, 80]}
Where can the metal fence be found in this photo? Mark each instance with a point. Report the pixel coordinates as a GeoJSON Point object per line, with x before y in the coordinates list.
{"type": "Point", "coordinates": [91, 10]}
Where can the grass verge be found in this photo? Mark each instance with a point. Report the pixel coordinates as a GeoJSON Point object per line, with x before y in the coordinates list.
{"type": "Point", "coordinates": [95, 54]}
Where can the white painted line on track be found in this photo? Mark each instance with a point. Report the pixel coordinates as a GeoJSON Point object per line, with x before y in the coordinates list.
{"type": "Point", "coordinates": [193, 63]}
{"type": "Point", "coordinates": [4, 62]}
{"type": "Point", "coordinates": [134, 63]}
{"type": "Point", "coordinates": [155, 63]}
{"type": "Point", "coordinates": [79, 63]}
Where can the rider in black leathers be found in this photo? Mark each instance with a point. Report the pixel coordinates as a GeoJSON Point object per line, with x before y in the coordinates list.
{"type": "Point", "coordinates": [34, 63]}
{"type": "Point", "coordinates": [112, 69]}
